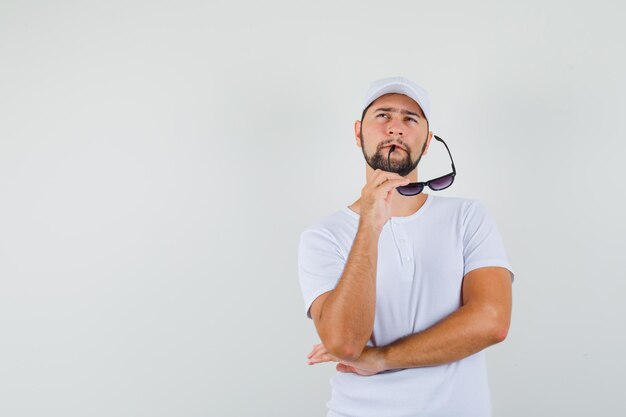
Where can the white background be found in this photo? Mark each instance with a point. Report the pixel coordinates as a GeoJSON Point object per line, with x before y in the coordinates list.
{"type": "Point", "coordinates": [158, 161]}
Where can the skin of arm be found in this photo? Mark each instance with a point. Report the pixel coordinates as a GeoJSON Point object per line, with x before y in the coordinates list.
{"type": "Point", "coordinates": [481, 321]}
{"type": "Point", "coordinates": [346, 320]}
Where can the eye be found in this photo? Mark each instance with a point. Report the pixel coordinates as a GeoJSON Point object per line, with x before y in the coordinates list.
{"type": "Point", "coordinates": [411, 119]}
{"type": "Point", "coordinates": [382, 114]}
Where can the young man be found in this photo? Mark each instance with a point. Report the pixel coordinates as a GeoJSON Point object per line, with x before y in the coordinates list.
{"type": "Point", "coordinates": [405, 288]}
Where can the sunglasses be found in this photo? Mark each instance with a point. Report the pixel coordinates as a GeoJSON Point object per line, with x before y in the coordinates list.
{"type": "Point", "coordinates": [436, 184]}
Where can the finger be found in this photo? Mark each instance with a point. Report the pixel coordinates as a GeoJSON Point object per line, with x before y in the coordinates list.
{"type": "Point", "coordinates": [385, 176]}
{"type": "Point", "coordinates": [341, 368]}
{"type": "Point", "coordinates": [344, 368]}
{"type": "Point", "coordinates": [323, 358]}
{"type": "Point", "coordinates": [391, 185]}
{"type": "Point", "coordinates": [382, 190]}
{"type": "Point", "coordinates": [390, 195]}
{"type": "Point", "coordinates": [320, 353]}
{"type": "Point", "coordinates": [315, 349]}
{"type": "Point", "coordinates": [379, 173]}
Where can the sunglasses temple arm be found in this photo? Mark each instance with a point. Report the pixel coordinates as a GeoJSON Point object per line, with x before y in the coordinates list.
{"type": "Point", "coordinates": [391, 149]}
{"type": "Point", "coordinates": [447, 149]}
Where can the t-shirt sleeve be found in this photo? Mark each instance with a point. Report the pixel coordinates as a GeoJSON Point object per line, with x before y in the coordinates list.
{"type": "Point", "coordinates": [320, 265]}
{"type": "Point", "coordinates": [482, 243]}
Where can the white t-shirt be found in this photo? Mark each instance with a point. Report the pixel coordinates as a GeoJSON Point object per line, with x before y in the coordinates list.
{"type": "Point", "coordinates": [422, 259]}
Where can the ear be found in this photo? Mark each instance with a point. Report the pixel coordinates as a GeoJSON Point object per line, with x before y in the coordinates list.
{"type": "Point", "coordinates": [357, 133]}
{"type": "Point", "coordinates": [430, 136]}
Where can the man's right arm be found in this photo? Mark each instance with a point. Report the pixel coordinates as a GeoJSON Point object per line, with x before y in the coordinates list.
{"type": "Point", "coordinates": [344, 317]}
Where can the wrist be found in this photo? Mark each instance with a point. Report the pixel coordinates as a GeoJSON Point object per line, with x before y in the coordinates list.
{"type": "Point", "coordinates": [380, 358]}
{"type": "Point", "coordinates": [369, 229]}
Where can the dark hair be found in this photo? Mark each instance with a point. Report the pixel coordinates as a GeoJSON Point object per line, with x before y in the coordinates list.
{"type": "Point", "coordinates": [370, 105]}
{"type": "Point", "coordinates": [365, 111]}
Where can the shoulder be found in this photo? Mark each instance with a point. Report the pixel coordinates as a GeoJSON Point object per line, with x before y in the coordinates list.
{"type": "Point", "coordinates": [327, 223]}
{"type": "Point", "coordinates": [465, 214]}
{"type": "Point", "coordinates": [330, 228]}
{"type": "Point", "coordinates": [453, 201]}
{"type": "Point", "coordinates": [456, 206]}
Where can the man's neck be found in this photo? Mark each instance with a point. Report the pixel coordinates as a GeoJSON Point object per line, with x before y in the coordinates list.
{"type": "Point", "coordinates": [402, 205]}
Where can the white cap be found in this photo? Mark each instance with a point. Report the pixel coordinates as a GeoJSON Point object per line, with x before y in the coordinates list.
{"type": "Point", "coordinates": [400, 85]}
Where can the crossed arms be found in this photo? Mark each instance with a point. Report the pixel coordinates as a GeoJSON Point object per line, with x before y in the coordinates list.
{"type": "Point", "coordinates": [344, 318]}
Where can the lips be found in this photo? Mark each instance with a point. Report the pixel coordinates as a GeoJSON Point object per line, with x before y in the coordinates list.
{"type": "Point", "coordinates": [397, 147]}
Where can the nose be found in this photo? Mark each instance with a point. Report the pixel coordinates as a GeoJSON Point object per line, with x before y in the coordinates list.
{"type": "Point", "coordinates": [395, 128]}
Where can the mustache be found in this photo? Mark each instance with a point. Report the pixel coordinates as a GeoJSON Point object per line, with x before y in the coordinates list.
{"type": "Point", "coordinates": [399, 144]}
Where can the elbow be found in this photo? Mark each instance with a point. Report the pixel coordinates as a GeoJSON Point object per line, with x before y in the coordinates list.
{"type": "Point", "coordinates": [344, 352]}
{"type": "Point", "coordinates": [498, 333]}
{"type": "Point", "coordinates": [497, 327]}
{"type": "Point", "coordinates": [340, 347]}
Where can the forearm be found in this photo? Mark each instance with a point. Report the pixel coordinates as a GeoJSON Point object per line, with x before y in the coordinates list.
{"type": "Point", "coordinates": [468, 330]}
{"type": "Point", "coordinates": [350, 309]}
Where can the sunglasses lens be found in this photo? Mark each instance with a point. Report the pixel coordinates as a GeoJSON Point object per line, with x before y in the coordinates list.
{"type": "Point", "coordinates": [441, 183]}
{"type": "Point", "coordinates": [410, 189]}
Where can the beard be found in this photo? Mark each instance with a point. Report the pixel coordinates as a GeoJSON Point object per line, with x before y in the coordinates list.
{"type": "Point", "coordinates": [403, 166]}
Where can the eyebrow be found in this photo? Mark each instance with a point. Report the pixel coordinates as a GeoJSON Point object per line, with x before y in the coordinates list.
{"type": "Point", "coordinates": [393, 109]}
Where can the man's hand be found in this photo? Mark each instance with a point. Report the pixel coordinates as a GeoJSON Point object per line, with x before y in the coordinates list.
{"type": "Point", "coordinates": [377, 196]}
{"type": "Point", "coordinates": [369, 363]}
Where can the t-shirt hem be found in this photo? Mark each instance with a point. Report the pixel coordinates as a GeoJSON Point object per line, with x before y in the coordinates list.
{"type": "Point", "coordinates": [491, 262]}
{"type": "Point", "coordinates": [309, 302]}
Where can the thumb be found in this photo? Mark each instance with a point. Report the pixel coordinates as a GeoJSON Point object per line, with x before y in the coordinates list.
{"type": "Point", "coordinates": [343, 368]}
{"type": "Point", "coordinates": [390, 195]}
